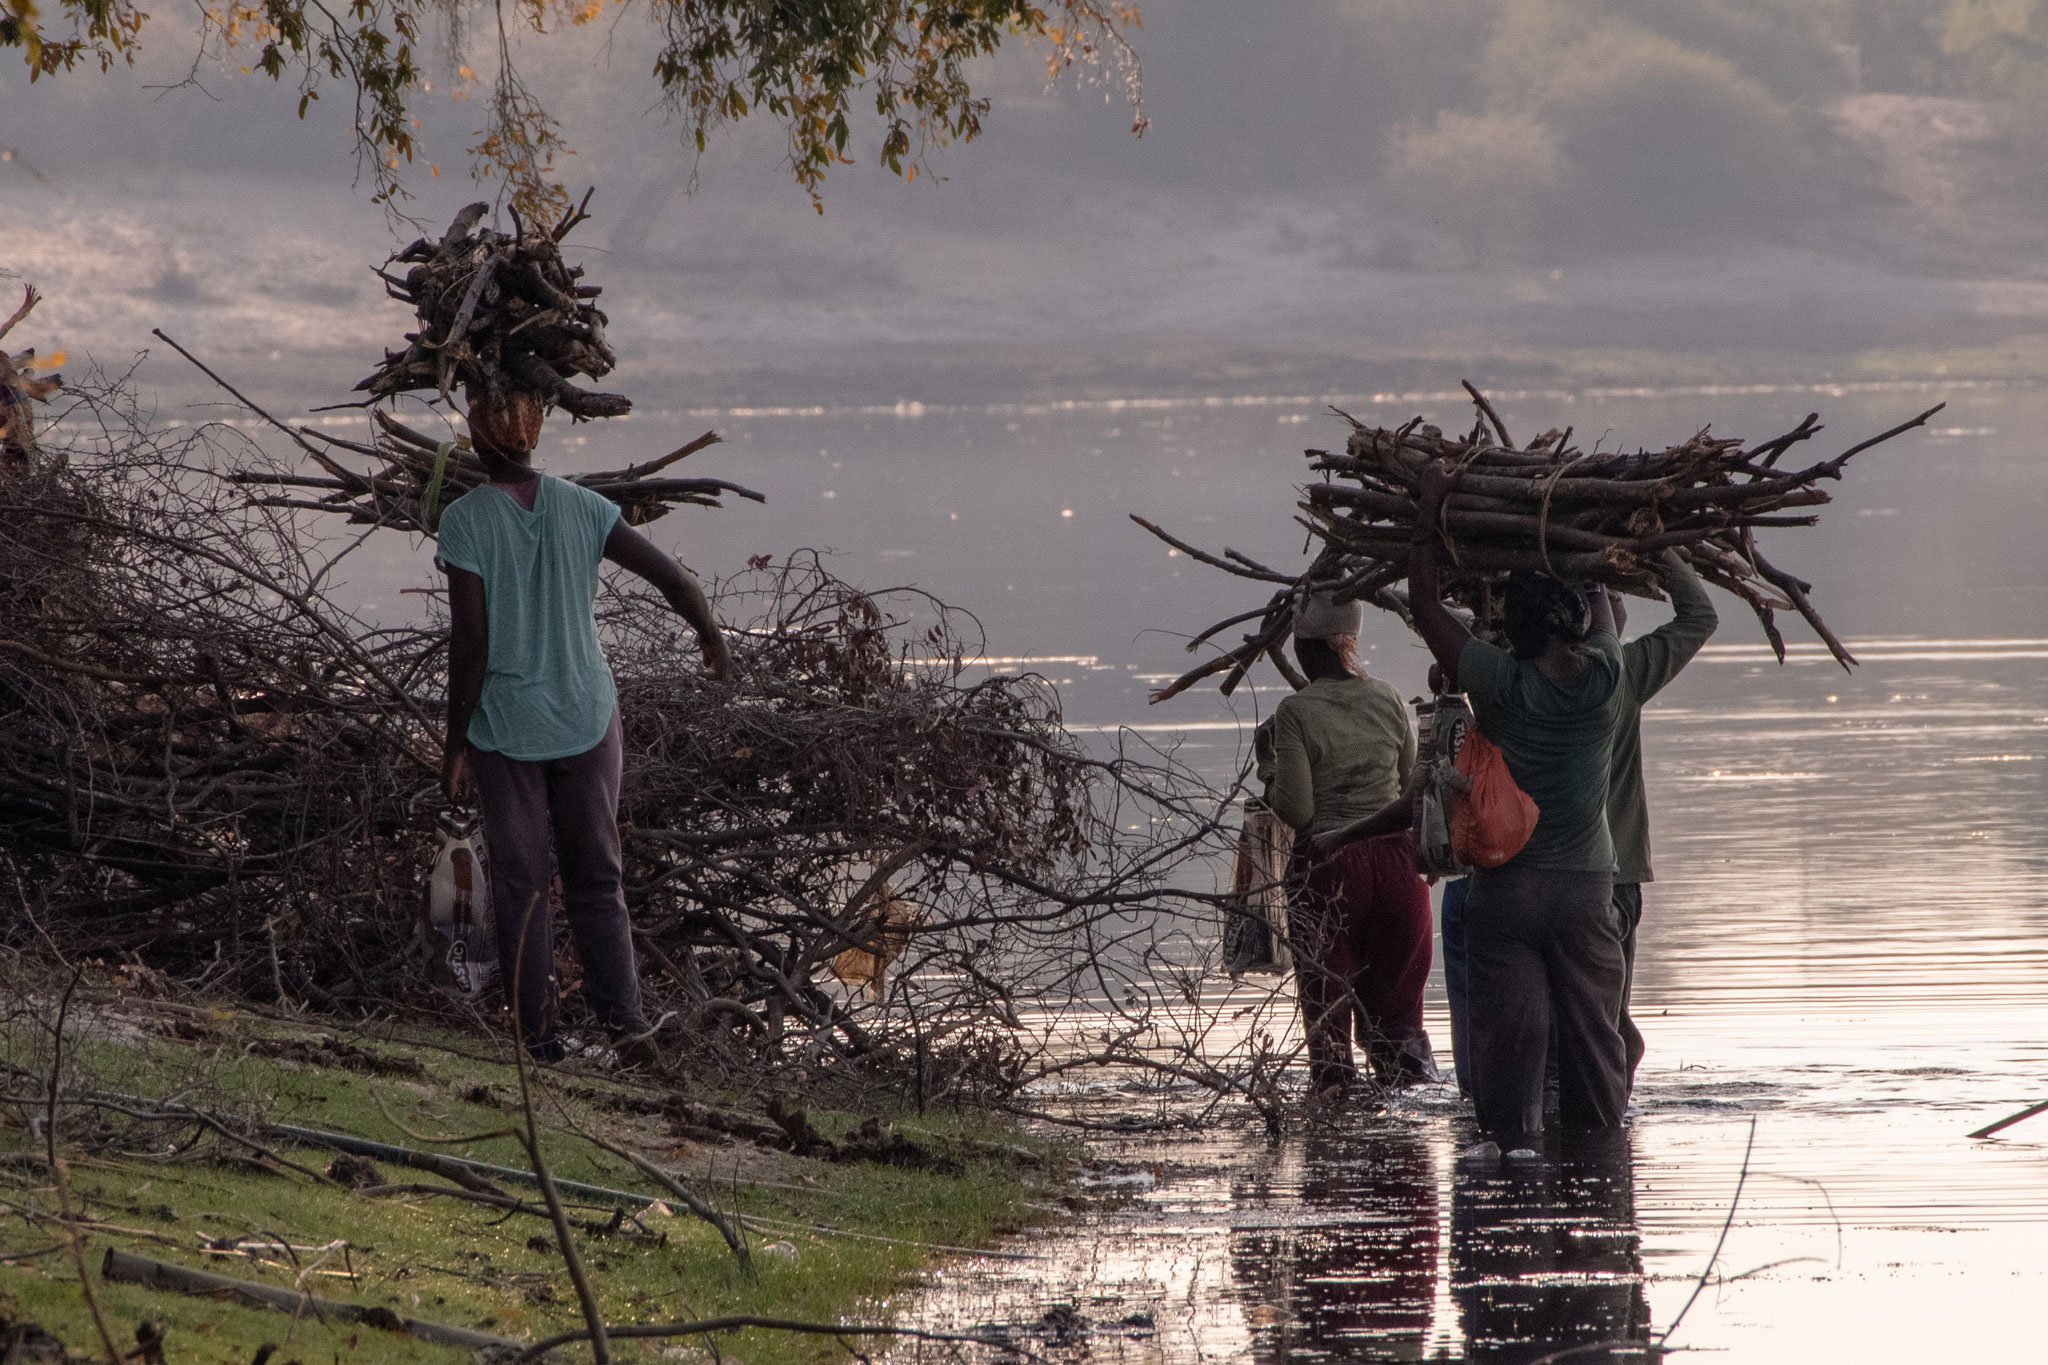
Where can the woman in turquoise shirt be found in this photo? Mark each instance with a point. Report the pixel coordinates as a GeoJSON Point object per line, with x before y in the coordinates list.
{"type": "Point", "coordinates": [533, 723]}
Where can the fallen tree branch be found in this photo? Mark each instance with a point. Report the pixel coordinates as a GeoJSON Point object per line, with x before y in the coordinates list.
{"type": "Point", "coordinates": [121, 1267]}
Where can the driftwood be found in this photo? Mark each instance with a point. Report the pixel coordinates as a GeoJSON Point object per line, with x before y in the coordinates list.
{"type": "Point", "coordinates": [1548, 507]}
{"type": "Point", "coordinates": [499, 312]}
{"type": "Point", "coordinates": [121, 1267]}
{"type": "Point", "coordinates": [2010, 1119]}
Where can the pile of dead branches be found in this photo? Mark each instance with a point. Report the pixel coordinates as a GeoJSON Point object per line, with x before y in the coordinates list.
{"type": "Point", "coordinates": [1548, 507]}
{"type": "Point", "coordinates": [212, 765]}
{"type": "Point", "coordinates": [198, 742]}
{"type": "Point", "coordinates": [499, 311]}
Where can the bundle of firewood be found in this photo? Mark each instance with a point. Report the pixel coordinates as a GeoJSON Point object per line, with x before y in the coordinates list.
{"type": "Point", "coordinates": [498, 314]}
{"type": "Point", "coordinates": [418, 476]}
{"type": "Point", "coordinates": [1549, 507]}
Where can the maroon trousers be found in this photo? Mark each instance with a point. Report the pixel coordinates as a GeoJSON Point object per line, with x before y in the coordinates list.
{"type": "Point", "coordinates": [1359, 927]}
{"type": "Point", "coordinates": [561, 812]}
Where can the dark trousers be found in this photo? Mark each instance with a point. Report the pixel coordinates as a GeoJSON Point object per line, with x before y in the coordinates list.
{"type": "Point", "coordinates": [1457, 992]}
{"type": "Point", "coordinates": [560, 811]}
{"type": "Point", "coordinates": [1628, 905]}
{"type": "Point", "coordinates": [1358, 924]}
{"type": "Point", "coordinates": [1543, 953]}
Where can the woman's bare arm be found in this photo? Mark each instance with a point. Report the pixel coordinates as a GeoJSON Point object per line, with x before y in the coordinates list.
{"type": "Point", "coordinates": [1442, 631]}
{"type": "Point", "coordinates": [636, 554]}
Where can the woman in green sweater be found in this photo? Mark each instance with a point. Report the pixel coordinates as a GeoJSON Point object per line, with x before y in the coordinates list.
{"type": "Point", "coordinates": [1358, 919]}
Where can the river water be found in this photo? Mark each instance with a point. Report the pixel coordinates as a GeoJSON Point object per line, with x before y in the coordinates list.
{"type": "Point", "coordinates": [1843, 956]}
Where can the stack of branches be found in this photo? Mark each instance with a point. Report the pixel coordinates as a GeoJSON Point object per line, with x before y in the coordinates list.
{"type": "Point", "coordinates": [212, 766]}
{"type": "Point", "coordinates": [417, 476]}
{"type": "Point", "coordinates": [1547, 507]}
{"type": "Point", "coordinates": [198, 741]}
{"type": "Point", "coordinates": [499, 312]}
{"type": "Point", "coordinates": [862, 811]}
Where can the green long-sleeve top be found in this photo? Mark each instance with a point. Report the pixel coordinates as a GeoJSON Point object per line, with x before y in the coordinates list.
{"type": "Point", "coordinates": [1646, 665]}
{"type": "Point", "coordinates": [1342, 749]}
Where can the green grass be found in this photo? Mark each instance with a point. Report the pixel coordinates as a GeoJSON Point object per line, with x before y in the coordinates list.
{"type": "Point", "coordinates": [462, 1264]}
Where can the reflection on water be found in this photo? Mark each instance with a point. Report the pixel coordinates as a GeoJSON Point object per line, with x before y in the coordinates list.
{"type": "Point", "coordinates": [1534, 1260]}
{"type": "Point", "coordinates": [1354, 1275]}
{"type": "Point", "coordinates": [1549, 1260]}
{"type": "Point", "coordinates": [1368, 1240]}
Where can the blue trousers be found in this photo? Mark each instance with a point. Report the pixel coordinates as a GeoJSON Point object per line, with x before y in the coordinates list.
{"type": "Point", "coordinates": [1455, 987]}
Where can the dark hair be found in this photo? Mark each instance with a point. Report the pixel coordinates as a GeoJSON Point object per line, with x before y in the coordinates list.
{"type": "Point", "coordinates": [1537, 608]}
{"type": "Point", "coordinates": [1321, 659]}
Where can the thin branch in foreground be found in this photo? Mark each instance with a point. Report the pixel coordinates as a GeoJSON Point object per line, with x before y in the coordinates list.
{"type": "Point", "coordinates": [61, 1170]}
{"type": "Point", "coordinates": [1734, 1202]}
{"type": "Point", "coordinates": [739, 1322]}
{"type": "Point", "coordinates": [690, 1199]}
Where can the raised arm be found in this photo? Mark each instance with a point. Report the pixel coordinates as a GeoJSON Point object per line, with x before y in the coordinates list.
{"type": "Point", "coordinates": [469, 650]}
{"type": "Point", "coordinates": [1602, 602]}
{"type": "Point", "coordinates": [636, 554]}
{"type": "Point", "coordinates": [1657, 658]}
{"type": "Point", "coordinates": [1443, 632]}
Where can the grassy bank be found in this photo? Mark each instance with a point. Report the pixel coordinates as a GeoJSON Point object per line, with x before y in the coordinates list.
{"type": "Point", "coordinates": [829, 1240]}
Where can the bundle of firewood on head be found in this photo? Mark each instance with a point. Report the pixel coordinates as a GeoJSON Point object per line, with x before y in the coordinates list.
{"type": "Point", "coordinates": [503, 316]}
{"type": "Point", "coordinates": [1547, 507]}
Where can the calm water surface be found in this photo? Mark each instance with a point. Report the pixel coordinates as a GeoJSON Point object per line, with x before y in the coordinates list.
{"type": "Point", "coordinates": [1843, 952]}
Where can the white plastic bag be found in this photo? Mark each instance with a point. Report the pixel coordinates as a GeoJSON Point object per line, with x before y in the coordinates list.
{"type": "Point", "coordinates": [461, 929]}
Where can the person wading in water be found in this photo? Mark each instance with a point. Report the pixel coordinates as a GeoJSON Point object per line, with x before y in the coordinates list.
{"type": "Point", "coordinates": [1542, 940]}
{"type": "Point", "coordinates": [533, 718]}
{"type": "Point", "coordinates": [1646, 666]}
{"type": "Point", "coordinates": [1358, 919]}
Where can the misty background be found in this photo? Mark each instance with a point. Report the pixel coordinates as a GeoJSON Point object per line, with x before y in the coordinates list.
{"type": "Point", "coordinates": [1333, 195]}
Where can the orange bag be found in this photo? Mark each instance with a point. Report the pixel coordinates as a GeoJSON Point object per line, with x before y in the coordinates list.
{"type": "Point", "coordinates": [1492, 817]}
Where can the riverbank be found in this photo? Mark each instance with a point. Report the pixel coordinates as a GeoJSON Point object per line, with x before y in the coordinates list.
{"type": "Point", "coordinates": [833, 1225]}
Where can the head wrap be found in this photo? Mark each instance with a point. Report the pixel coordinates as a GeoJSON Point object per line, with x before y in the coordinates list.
{"type": "Point", "coordinates": [1319, 617]}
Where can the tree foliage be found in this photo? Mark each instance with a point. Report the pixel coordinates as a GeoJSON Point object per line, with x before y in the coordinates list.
{"type": "Point", "coordinates": [816, 67]}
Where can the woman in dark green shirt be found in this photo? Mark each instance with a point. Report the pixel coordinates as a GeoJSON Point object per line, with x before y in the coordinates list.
{"type": "Point", "coordinates": [1542, 941]}
{"type": "Point", "coordinates": [1358, 920]}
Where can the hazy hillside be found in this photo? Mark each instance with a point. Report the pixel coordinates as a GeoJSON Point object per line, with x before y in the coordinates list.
{"type": "Point", "coordinates": [1330, 191]}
